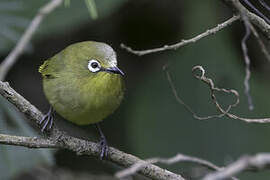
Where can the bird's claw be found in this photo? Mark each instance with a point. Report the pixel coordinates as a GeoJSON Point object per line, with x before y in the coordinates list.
{"type": "Point", "coordinates": [104, 148]}
{"type": "Point", "coordinates": [47, 120]}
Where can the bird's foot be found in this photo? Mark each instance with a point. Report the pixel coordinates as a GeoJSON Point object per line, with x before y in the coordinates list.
{"type": "Point", "coordinates": [47, 120]}
{"type": "Point", "coordinates": [104, 148]}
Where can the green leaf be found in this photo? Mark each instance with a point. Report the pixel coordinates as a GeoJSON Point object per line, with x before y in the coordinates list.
{"type": "Point", "coordinates": [67, 3]}
{"type": "Point", "coordinates": [91, 6]}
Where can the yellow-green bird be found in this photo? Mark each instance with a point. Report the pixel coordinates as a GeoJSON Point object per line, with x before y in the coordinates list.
{"type": "Point", "coordinates": [83, 85]}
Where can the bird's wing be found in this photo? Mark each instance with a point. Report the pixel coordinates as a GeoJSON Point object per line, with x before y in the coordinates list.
{"type": "Point", "coordinates": [51, 68]}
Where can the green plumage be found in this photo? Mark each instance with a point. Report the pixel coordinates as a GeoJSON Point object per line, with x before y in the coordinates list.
{"type": "Point", "coordinates": [77, 94]}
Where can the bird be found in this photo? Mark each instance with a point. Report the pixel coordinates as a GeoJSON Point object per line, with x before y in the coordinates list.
{"type": "Point", "coordinates": [84, 85]}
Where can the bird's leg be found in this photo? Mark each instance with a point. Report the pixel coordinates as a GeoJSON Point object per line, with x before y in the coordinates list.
{"type": "Point", "coordinates": [103, 143]}
{"type": "Point", "coordinates": [47, 120]}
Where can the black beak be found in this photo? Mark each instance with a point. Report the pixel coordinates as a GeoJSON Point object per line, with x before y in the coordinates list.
{"type": "Point", "coordinates": [115, 70]}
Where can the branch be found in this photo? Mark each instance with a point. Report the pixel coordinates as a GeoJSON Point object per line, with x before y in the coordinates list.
{"type": "Point", "coordinates": [256, 20]}
{"type": "Point", "coordinates": [183, 42]}
{"type": "Point", "coordinates": [213, 89]}
{"type": "Point", "coordinates": [180, 101]}
{"type": "Point", "coordinates": [249, 27]}
{"type": "Point", "coordinates": [58, 139]}
{"type": "Point", "coordinates": [245, 14]}
{"type": "Point", "coordinates": [30, 142]}
{"type": "Point", "coordinates": [10, 60]}
{"type": "Point", "coordinates": [178, 158]}
{"type": "Point", "coordinates": [258, 12]}
{"type": "Point", "coordinates": [247, 62]}
{"type": "Point", "coordinates": [265, 5]}
{"type": "Point", "coordinates": [257, 162]}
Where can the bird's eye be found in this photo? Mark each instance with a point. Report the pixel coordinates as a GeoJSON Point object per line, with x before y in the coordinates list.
{"type": "Point", "coordinates": [94, 65]}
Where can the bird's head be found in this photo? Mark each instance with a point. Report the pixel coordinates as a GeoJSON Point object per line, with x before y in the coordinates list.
{"type": "Point", "coordinates": [91, 58]}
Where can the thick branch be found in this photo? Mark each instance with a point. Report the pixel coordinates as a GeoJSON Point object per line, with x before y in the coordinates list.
{"type": "Point", "coordinates": [183, 42]}
{"type": "Point", "coordinates": [60, 140]}
{"type": "Point", "coordinates": [10, 60]}
{"type": "Point", "coordinates": [30, 142]}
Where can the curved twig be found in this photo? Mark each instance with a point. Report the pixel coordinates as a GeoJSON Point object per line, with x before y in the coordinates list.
{"type": "Point", "coordinates": [213, 89]}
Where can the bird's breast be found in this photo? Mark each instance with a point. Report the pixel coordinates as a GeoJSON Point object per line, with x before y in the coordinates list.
{"type": "Point", "coordinates": [86, 100]}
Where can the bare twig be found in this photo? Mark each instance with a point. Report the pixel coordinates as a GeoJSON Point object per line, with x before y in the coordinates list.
{"type": "Point", "coordinates": [262, 46]}
{"type": "Point", "coordinates": [265, 5]}
{"type": "Point", "coordinates": [258, 162]}
{"type": "Point", "coordinates": [247, 63]}
{"type": "Point", "coordinates": [213, 89]}
{"type": "Point", "coordinates": [178, 158]}
{"type": "Point", "coordinates": [244, 15]}
{"type": "Point", "coordinates": [59, 139]}
{"type": "Point", "coordinates": [10, 60]}
{"type": "Point", "coordinates": [183, 42]}
{"type": "Point", "coordinates": [180, 101]}
{"type": "Point", "coordinates": [249, 28]}
{"type": "Point", "coordinates": [256, 20]}
{"type": "Point", "coordinates": [257, 11]}
{"type": "Point", "coordinates": [224, 112]}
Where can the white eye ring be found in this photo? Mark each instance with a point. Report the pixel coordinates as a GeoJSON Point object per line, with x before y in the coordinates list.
{"type": "Point", "coordinates": [94, 65]}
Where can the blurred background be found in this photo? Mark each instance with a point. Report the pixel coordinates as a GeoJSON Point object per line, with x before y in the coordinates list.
{"type": "Point", "coordinates": [149, 122]}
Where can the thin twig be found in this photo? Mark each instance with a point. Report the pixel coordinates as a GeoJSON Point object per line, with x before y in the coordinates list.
{"type": "Point", "coordinates": [257, 11]}
{"type": "Point", "coordinates": [247, 63]}
{"type": "Point", "coordinates": [58, 139]}
{"type": "Point", "coordinates": [255, 19]}
{"type": "Point", "coordinates": [249, 28]}
{"type": "Point", "coordinates": [10, 60]}
{"type": "Point", "coordinates": [258, 162]}
{"type": "Point", "coordinates": [176, 159]}
{"type": "Point", "coordinates": [180, 101]}
{"type": "Point", "coordinates": [213, 89]}
{"type": "Point", "coordinates": [265, 6]}
{"type": "Point", "coordinates": [262, 45]}
{"type": "Point", "coordinates": [183, 42]}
